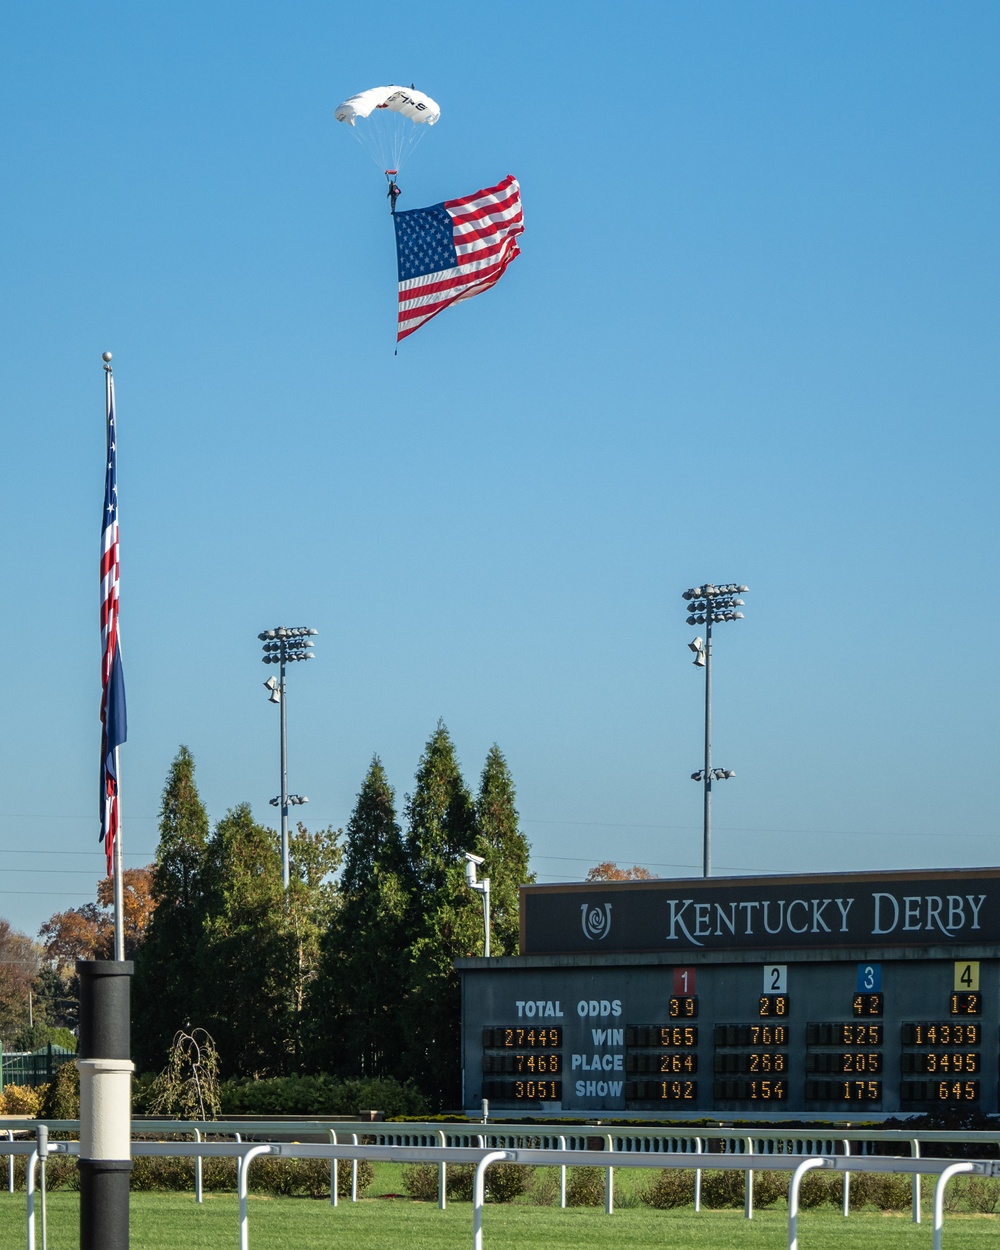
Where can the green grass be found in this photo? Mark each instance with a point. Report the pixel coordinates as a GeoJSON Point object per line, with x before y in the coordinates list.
{"type": "Point", "coordinates": [169, 1221]}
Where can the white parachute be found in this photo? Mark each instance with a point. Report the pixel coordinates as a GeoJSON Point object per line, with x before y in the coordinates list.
{"type": "Point", "coordinates": [388, 121]}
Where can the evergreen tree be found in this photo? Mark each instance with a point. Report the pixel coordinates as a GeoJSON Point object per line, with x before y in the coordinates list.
{"type": "Point", "coordinates": [505, 851]}
{"type": "Point", "coordinates": [445, 918]}
{"type": "Point", "coordinates": [311, 908]}
{"type": "Point", "coordinates": [247, 953]}
{"type": "Point", "coordinates": [441, 816]}
{"type": "Point", "coordinates": [164, 991]}
{"type": "Point", "coordinates": [365, 953]}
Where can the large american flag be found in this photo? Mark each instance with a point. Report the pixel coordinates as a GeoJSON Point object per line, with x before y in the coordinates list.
{"type": "Point", "coordinates": [454, 250]}
{"type": "Point", "coordinates": [113, 720]}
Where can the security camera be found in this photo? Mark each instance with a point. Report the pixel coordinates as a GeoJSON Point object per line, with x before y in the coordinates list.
{"type": "Point", "coordinates": [471, 862]}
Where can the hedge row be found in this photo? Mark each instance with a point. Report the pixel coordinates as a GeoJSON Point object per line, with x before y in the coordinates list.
{"type": "Point", "coordinates": [282, 1178]}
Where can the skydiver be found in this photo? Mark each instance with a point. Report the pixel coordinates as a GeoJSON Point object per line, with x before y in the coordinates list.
{"type": "Point", "coordinates": [393, 194]}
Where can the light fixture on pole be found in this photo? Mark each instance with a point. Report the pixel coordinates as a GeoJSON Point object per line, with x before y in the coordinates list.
{"type": "Point", "coordinates": [481, 887]}
{"type": "Point", "coordinates": [284, 646]}
{"type": "Point", "coordinates": [709, 605]}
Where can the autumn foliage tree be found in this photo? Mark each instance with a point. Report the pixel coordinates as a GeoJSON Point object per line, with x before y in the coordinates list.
{"type": "Point", "coordinates": [608, 870]}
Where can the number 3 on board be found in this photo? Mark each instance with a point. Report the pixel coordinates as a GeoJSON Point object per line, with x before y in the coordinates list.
{"type": "Point", "coordinates": [869, 978]}
{"type": "Point", "coordinates": [967, 976]}
{"type": "Point", "coordinates": [775, 978]}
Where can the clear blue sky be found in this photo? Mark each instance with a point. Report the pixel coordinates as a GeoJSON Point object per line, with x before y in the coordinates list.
{"type": "Point", "coordinates": [752, 336]}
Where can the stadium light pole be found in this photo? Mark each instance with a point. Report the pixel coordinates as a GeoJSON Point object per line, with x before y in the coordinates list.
{"type": "Point", "coordinates": [708, 605]}
{"type": "Point", "coordinates": [284, 646]}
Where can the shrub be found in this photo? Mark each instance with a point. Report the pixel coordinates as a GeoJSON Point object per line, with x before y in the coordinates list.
{"type": "Point", "coordinates": [770, 1187]}
{"type": "Point", "coordinates": [318, 1094]}
{"type": "Point", "coordinates": [546, 1188]}
{"type": "Point", "coordinates": [507, 1181]}
{"type": "Point", "coordinates": [980, 1194]}
{"type": "Point", "coordinates": [722, 1189]}
{"type": "Point", "coordinates": [888, 1191]}
{"type": "Point", "coordinates": [673, 1187]}
{"type": "Point", "coordinates": [585, 1187]}
{"type": "Point", "coordinates": [25, 1100]}
{"type": "Point", "coordinates": [460, 1180]}
{"type": "Point", "coordinates": [420, 1180]}
{"type": "Point", "coordinates": [62, 1094]}
{"type": "Point", "coordinates": [820, 1188]}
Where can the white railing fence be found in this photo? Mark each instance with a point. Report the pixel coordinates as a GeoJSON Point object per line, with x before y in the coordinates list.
{"type": "Point", "coordinates": [524, 1145]}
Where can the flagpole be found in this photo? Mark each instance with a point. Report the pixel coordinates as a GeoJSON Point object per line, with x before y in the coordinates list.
{"type": "Point", "coordinates": [116, 856]}
{"type": "Point", "coordinates": [119, 891]}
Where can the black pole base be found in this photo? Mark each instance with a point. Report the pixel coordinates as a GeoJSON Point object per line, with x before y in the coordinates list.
{"type": "Point", "coordinates": [104, 1187]}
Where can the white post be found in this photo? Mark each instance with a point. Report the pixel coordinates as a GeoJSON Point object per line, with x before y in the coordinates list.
{"type": "Point", "coordinates": [609, 1183]}
{"type": "Point", "coordinates": [793, 1198]}
{"type": "Point", "coordinates": [29, 1183]}
{"type": "Point", "coordinates": [748, 1186]}
{"type": "Point", "coordinates": [915, 1151]}
{"type": "Point", "coordinates": [442, 1174]}
{"type": "Point", "coordinates": [42, 1134]}
{"type": "Point", "coordinates": [198, 1197]}
{"type": "Point", "coordinates": [333, 1169]}
{"type": "Point", "coordinates": [354, 1171]}
{"type": "Point", "coordinates": [942, 1181]}
{"type": "Point", "coordinates": [478, 1193]}
{"type": "Point", "coordinates": [847, 1183]}
{"type": "Point", "coordinates": [562, 1176]}
{"type": "Point", "coordinates": [242, 1168]}
{"type": "Point", "coordinates": [697, 1177]}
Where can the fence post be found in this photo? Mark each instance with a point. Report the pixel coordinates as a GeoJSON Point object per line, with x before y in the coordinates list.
{"type": "Point", "coordinates": [793, 1198]}
{"type": "Point", "coordinates": [29, 1185]}
{"type": "Point", "coordinates": [697, 1177]}
{"type": "Point", "coordinates": [478, 1191]}
{"type": "Point", "coordinates": [42, 1134]}
{"type": "Point", "coordinates": [609, 1182]}
{"type": "Point", "coordinates": [198, 1197]}
{"type": "Point", "coordinates": [748, 1186]}
{"type": "Point", "coordinates": [942, 1181]}
{"type": "Point", "coordinates": [10, 1164]}
{"type": "Point", "coordinates": [242, 1168]}
{"type": "Point", "coordinates": [915, 1151]}
{"type": "Point", "coordinates": [354, 1171]}
{"type": "Point", "coordinates": [562, 1176]}
{"type": "Point", "coordinates": [333, 1169]}
{"type": "Point", "coordinates": [847, 1182]}
{"type": "Point", "coordinates": [442, 1173]}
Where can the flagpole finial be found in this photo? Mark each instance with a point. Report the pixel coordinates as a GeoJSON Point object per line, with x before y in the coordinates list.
{"type": "Point", "coordinates": [106, 356]}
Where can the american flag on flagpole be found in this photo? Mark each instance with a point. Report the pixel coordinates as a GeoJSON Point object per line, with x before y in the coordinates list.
{"type": "Point", "coordinates": [113, 719]}
{"type": "Point", "coordinates": [454, 250]}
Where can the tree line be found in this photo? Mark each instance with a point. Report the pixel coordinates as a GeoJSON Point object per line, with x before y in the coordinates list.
{"type": "Point", "coordinates": [350, 972]}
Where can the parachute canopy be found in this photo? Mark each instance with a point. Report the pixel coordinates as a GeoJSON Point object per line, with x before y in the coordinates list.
{"type": "Point", "coordinates": [385, 120]}
{"type": "Point", "coordinates": [406, 100]}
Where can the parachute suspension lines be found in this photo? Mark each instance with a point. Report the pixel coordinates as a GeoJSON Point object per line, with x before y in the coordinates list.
{"type": "Point", "coordinates": [389, 121]}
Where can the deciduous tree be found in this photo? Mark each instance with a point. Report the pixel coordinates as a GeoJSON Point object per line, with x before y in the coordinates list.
{"type": "Point", "coordinates": [608, 870]}
{"type": "Point", "coordinates": [18, 966]}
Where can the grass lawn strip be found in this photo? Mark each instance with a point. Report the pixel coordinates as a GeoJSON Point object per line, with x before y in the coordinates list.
{"type": "Point", "coordinates": [169, 1221]}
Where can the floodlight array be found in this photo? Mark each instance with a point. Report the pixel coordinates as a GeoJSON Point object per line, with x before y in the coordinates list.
{"type": "Point", "coordinates": [285, 645]}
